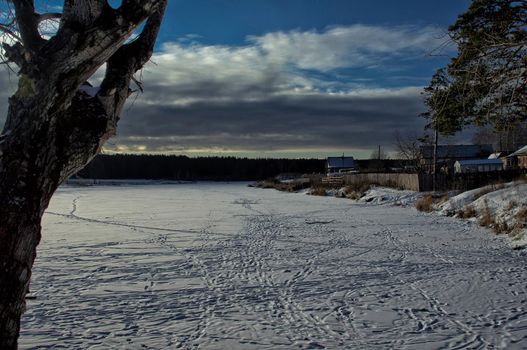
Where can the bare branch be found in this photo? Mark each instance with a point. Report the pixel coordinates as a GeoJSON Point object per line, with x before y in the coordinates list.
{"type": "Point", "coordinates": [15, 53]}
{"type": "Point", "coordinates": [27, 24]}
{"type": "Point", "coordinates": [138, 83]}
{"type": "Point", "coordinates": [143, 47]}
{"type": "Point", "coordinates": [8, 31]}
{"type": "Point", "coordinates": [133, 56]}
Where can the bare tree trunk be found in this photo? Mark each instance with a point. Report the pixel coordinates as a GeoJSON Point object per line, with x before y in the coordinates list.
{"type": "Point", "coordinates": [54, 128]}
{"type": "Point", "coordinates": [36, 157]}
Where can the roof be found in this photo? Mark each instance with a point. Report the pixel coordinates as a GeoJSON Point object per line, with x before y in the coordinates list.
{"type": "Point", "coordinates": [480, 162]}
{"type": "Point", "coordinates": [456, 151]}
{"type": "Point", "coordinates": [521, 152]}
{"type": "Point", "coordinates": [341, 162]}
{"type": "Point", "coordinates": [497, 155]}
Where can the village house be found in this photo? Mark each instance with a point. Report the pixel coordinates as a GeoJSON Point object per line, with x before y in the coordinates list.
{"type": "Point", "coordinates": [340, 165]}
{"type": "Point", "coordinates": [447, 155]}
{"type": "Point", "coordinates": [517, 160]}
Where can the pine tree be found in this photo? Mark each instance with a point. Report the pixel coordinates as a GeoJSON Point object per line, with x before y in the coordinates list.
{"type": "Point", "coordinates": [486, 82]}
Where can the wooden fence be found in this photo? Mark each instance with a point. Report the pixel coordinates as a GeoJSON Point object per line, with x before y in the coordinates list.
{"type": "Point", "coordinates": [424, 182]}
{"type": "Point", "coordinates": [467, 181]}
{"type": "Point", "coordinates": [395, 180]}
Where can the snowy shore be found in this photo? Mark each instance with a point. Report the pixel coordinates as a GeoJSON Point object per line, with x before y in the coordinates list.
{"type": "Point", "coordinates": [502, 208]}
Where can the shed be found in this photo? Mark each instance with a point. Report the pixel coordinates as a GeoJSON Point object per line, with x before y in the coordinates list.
{"type": "Point", "coordinates": [340, 165]}
{"type": "Point", "coordinates": [478, 165]}
{"type": "Point", "coordinates": [517, 159]}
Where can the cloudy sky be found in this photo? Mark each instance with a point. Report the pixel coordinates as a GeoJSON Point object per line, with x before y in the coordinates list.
{"type": "Point", "coordinates": [296, 78]}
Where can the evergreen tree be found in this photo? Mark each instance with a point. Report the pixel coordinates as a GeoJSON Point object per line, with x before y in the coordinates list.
{"type": "Point", "coordinates": [485, 84]}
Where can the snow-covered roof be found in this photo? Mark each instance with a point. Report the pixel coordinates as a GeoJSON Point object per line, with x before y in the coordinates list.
{"type": "Point", "coordinates": [480, 162]}
{"type": "Point", "coordinates": [341, 162]}
{"type": "Point", "coordinates": [521, 152]}
{"type": "Point", "coordinates": [456, 151]}
{"type": "Point", "coordinates": [497, 155]}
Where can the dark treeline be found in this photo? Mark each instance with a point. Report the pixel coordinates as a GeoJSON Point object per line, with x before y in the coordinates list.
{"type": "Point", "coordinates": [168, 167]}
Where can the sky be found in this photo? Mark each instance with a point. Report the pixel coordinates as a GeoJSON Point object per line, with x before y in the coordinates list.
{"type": "Point", "coordinates": [284, 78]}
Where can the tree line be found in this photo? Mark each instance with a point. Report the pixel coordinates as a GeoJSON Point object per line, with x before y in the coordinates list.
{"type": "Point", "coordinates": [172, 167]}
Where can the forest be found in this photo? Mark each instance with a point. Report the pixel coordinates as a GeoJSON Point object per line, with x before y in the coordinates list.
{"type": "Point", "coordinates": [172, 167]}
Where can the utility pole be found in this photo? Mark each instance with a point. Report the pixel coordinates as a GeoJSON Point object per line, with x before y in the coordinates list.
{"type": "Point", "coordinates": [434, 166]}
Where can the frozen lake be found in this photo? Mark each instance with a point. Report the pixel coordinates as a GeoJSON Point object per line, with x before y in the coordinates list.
{"type": "Point", "coordinates": [224, 266]}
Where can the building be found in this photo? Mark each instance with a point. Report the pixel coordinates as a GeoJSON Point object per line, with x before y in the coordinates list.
{"type": "Point", "coordinates": [517, 160]}
{"type": "Point", "coordinates": [447, 155]}
{"type": "Point", "coordinates": [478, 165]}
{"type": "Point", "coordinates": [339, 165]}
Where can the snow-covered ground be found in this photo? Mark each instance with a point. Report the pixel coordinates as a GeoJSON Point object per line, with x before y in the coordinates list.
{"type": "Point", "coordinates": [224, 266]}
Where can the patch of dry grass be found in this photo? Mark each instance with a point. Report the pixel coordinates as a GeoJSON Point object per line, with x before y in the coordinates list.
{"type": "Point", "coordinates": [359, 187]}
{"type": "Point", "coordinates": [520, 219]}
{"type": "Point", "coordinates": [354, 195]}
{"type": "Point", "coordinates": [468, 212]}
{"type": "Point", "coordinates": [280, 186]}
{"type": "Point", "coordinates": [318, 191]}
{"type": "Point", "coordinates": [486, 219]}
{"type": "Point", "coordinates": [425, 203]}
{"type": "Point", "coordinates": [501, 227]}
{"type": "Point", "coordinates": [511, 205]}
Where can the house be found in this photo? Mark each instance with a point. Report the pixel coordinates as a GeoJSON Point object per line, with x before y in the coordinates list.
{"type": "Point", "coordinates": [517, 159]}
{"type": "Point", "coordinates": [336, 165]}
{"type": "Point", "coordinates": [447, 155]}
{"type": "Point", "coordinates": [477, 165]}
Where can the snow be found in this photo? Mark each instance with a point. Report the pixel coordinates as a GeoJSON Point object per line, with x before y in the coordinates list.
{"type": "Point", "coordinates": [503, 202]}
{"type": "Point", "coordinates": [458, 202]}
{"type": "Point", "coordinates": [521, 151]}
{"type": "Point", "coordinates": [224, 266]}
{"type": "Point", "coordinates": [385, 195]}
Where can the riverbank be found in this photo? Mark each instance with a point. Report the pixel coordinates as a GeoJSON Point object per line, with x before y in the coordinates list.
{"type": "Point", "coordinates": [500, 207]}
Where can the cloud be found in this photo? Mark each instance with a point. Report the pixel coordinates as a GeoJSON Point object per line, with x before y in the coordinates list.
{"type": "Point", "coordinates": [351, 46]}
{"type": "Point", "coordinates": [280, 91]}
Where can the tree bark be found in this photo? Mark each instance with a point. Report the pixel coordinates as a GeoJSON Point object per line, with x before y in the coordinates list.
{"type": "Point", "coordinates": [54, 127]}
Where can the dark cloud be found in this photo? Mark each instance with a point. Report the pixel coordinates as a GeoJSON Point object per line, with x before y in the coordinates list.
{"type": "Point", "coordinates": [286, 122]}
